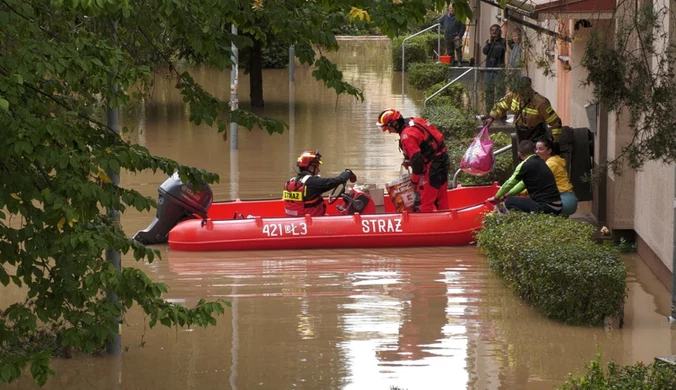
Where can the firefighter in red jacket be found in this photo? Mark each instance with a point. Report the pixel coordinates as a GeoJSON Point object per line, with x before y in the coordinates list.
{"type": "Point", "coordinates": [303, 193]}
{"type": "Point", "coordinates": [424, 149]}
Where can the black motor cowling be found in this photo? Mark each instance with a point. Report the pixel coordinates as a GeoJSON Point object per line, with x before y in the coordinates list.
{"type": "Point", "coordinates": [177, 201]}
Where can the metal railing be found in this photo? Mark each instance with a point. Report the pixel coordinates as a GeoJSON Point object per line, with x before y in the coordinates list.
{"type": "Point", "coordinates": [505, 149]}
{"type": "Point", "coordinates": [475, 91]}
{"type": "Point", "coordinates": [403, 51]}
{"type": "Point", "coordinates": [447, 85]}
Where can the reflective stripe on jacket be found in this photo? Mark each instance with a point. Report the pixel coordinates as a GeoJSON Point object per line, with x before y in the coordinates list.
{"type": "Point", "coordinates": [296, 203]}
{"type": "Point", "coordinates": [537, 110]}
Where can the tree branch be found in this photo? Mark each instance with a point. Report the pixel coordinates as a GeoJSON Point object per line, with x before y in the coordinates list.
{"type": "Point", "coordinates": [51, 34]}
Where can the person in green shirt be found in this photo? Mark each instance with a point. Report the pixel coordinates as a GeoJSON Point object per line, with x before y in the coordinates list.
{"type": "Point", "coordinates": [534, 175]}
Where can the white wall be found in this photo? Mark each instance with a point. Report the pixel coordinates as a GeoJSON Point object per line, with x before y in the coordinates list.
{"type": "Point", "coordinates": [581, 95]}
{"type": "Point", "coordinates": [540, 44]}
{"type": "Point", "coordinates": [654, 210]}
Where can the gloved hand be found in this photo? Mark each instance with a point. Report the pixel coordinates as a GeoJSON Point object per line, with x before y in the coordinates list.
{"type": "Point", "coordinates": [416, 202]}
{"type": "Point", "coordinates": [495, 200]}
{"type": "Point", "coordinates": [406, 163]}
{"type": "Point", "coordinates": [488, 122]}
{"type": "Point", "coordinates": [353, 177]}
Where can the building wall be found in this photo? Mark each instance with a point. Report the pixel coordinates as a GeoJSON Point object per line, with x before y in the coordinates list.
{"type": "Point", "coordinates": [544, 75]}
{"type": "Point", "coordinates": [581, 95]}
{"type": "Point", "coordinates": [654, 213]}
{"type": "Point", "coordinates": [621, 185]}
{"type": "Point", "coordinates": [643, 201]}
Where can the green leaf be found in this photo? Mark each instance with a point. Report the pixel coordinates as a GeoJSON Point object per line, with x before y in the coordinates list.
{"type": "Point", "coordinates": [4, 104]}
{"type": "Point", "coordinates": [5, 373]}
{"type": "Point", "coordinates": [4, 278]}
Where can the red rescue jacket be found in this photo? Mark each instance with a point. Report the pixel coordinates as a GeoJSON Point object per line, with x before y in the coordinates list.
{"type": "Point", "coordinates": [422, 143]}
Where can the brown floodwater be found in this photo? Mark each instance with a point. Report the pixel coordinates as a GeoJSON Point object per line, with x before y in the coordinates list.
{"type": "Point", "coordinates": [424, 318]}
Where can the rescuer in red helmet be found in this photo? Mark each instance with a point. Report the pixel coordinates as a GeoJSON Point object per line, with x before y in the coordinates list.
{"type": "Point", "coordinates": [303, 192]}
{"type": "Point", "coordinates": [424, 149]}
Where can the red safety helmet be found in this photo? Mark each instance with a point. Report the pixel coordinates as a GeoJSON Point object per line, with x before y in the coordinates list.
{"type": "Point", "coordinates": [387, 118]}
{"type": "Point", "coordinates": [309, 158]}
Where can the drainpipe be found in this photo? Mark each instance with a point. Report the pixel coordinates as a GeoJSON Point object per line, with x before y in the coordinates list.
{"type": "Point", "coordinates": [234, 100]}
{"type": "Point", "coordinates": [672, 318]}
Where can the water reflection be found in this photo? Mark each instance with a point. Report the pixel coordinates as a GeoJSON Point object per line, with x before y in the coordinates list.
{"type": "Point", "coordinates": [342, 128]}
{"type": "Point", "coordinates": [422, 318]}
{"type": "Point", "coordinates": [432, 319]}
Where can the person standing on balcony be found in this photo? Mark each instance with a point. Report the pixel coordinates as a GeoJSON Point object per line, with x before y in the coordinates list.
{"type": "Point", "coordinates": [514, 59]}
{"type": "Point", "coordinates": [494, 50]}
{"type": "Point", "coordinates": [454, 30]}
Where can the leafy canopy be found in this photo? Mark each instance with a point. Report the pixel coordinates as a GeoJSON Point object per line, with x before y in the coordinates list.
{"type": "Point", "coordinates": [63, 63]}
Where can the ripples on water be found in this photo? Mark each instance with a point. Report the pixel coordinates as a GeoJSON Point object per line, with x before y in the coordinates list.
{"type": "Point", "coordinates": [424, 318]}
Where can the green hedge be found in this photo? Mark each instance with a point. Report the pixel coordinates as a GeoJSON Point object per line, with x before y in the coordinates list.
{"type": "Point", "coordinates": [418, 49]}
{"type": "Point", "coordinates": [554, 264]}
{"type": "Point", "coordinates": [424, 75]}
{"type": "Point", "coordinates": [456, 93]}
{"type": "Point", "coordinates": [654, 376]}
{"type": "Point", "coordinates": [454, 122]}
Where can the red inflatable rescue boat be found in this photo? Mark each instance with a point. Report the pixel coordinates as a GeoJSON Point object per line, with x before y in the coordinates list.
{"type": "Point", "coordinates": [262, 225]}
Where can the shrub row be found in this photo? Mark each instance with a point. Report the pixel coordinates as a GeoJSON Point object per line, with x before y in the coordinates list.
{"type": "Point", "coordinates": [654, 376]}
{"type": "Point", "coordinates": [555, 265]}
{"type": "Point", "coordinates": [423, 75]}
{"type": "Point", "coordinates": [418, 49]}
{"type": "Point", "coordinates": [456, 93]}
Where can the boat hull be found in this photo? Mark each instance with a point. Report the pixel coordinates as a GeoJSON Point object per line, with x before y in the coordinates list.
{"type": "Point", "coordinates": [269, 231]}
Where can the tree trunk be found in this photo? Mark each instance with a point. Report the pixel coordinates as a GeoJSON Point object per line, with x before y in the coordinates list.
{"type": "Point", "coordinates": [256, 75]}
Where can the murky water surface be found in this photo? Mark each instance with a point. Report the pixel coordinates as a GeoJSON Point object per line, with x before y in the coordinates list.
{"type": "Point", "coordinates": [432, 318]}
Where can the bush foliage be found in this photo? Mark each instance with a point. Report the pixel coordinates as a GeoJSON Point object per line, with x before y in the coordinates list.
{"type": "Point", "coordinates": [418, 49]}
{"type": "Point", "coordinates": [654, 376]}
{"type": "Point", "coordinates": [454, 122]}
{"type": "Point", "coordinates": [424, 75]}
{"type": "Point", "coordinates": [554, 264]}
{"type": "Point", "coordinates": [456, 93]}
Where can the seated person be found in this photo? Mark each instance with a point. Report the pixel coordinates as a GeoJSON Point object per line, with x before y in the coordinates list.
{"type": "Point", "coordinates": [303, 193]}
{"type": "Point", "coordinates": [534, 175]}
{"type": "Point", "coordinates": [543, 148]}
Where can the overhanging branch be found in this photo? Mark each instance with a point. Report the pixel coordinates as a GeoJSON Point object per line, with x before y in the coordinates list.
{"type": "Point", "coordinates": [528, 24]}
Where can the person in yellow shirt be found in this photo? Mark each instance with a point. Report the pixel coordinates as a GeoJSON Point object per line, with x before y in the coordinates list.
{"type": "Point", "coordinates": [543, 148]}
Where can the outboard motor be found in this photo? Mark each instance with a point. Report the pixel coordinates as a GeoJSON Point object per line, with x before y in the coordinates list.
{"type": "Point", "coordinates": [176, 202]}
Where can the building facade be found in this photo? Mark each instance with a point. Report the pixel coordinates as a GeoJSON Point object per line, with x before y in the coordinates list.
{"type": "Point", "coordinates": [637, 204]}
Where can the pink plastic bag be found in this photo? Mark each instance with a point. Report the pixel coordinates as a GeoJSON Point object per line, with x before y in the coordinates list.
{"type": "Point", "coordinates": [478, 159]}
